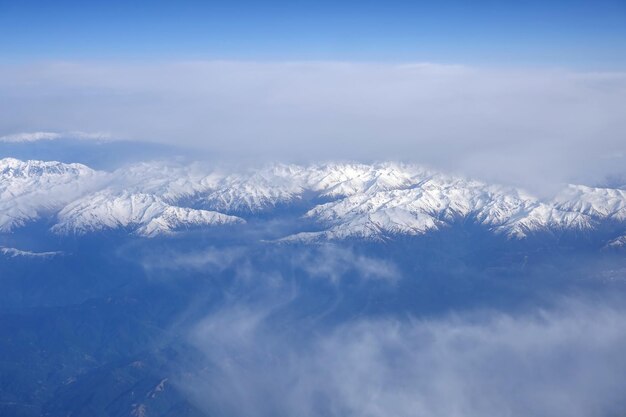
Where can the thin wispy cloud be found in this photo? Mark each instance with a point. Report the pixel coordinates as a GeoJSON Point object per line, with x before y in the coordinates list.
{"type": "Point", "coordinates": [334, 262]}
{"type": "Point", "coordinates": [329, 262]}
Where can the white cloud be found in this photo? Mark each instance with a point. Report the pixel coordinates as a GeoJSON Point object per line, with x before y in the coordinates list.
{"type": "Point", "coordinates": [566, 362]}
{"type": "Point", "coordinates": [39, 136]}
{"type": "Point", "coordinates": [18, 253]}
{"type": "Point", "coordinates": [513, 125]}
{"type": "Point", "coordinates": [334, 262]}
{"type": "Point", "coordinates": [212, 260]}
{"type": "Point", "coordinates": [328, 261]}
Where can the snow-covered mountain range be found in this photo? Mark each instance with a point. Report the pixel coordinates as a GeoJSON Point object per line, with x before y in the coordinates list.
{"type": "Point", "coordinates": [344, 200]}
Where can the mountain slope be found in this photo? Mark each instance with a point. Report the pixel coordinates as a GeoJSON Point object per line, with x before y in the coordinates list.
{"type": "Point", "coordinates": [32, 189]}
{"type": "Point", "coordinates": [143, 214]}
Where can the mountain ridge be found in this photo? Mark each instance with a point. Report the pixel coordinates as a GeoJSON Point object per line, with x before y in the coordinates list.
{"type": "Point", "coordinates": [363, 201]}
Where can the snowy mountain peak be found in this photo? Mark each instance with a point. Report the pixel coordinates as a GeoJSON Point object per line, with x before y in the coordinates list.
{"type": "Point", "coordinates": [15, 168]}
{"type": "Point", "coordinates": [358, 201]}
{"type": "Point", "coordinates": [143, 214]}
{"type": "Point", "coordinates": [32, 189]}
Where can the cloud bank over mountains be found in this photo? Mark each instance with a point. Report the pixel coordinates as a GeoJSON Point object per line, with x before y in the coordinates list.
{"type": "Point", "coordinates": [521, 126]}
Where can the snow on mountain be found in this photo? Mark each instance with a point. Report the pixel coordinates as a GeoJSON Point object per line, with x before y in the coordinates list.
{"type": "Point", "coordinates": [279, 184]}
{"type": "Point", "coordinates": [140, 197]}
{"type": "Point", "coordinates": [17, 253]}
{"type": "Point", "coordinates": [619, 242]}
{"type": "Point", "coordinates": [256, 191]}
{"type": "Point", "coordinates": [30, 189]}
{"type": "Point", "coordinates": [603, 203]}
{"type": "Point", "coordinates": [436, 202]}
{"type": "Point", "coordinates": [359, 201]}
{"type": "Point", "coordinates": [343, 180]}
{"type": "Point", "coordinates": [170, 181]}
{"type": "Point", "coordinates": [144, 214]}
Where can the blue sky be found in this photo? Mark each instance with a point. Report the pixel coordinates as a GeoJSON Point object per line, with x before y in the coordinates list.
{"type": "Point", "coordinates": [581, 34]}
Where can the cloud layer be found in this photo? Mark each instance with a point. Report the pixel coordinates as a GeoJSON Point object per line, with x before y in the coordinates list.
{"type": "Point", "coordinates": [521, 126]}
{"type": "Point", "coordinates": [327, 261]}
{"type": "Point", "coordinates": [566, 362]}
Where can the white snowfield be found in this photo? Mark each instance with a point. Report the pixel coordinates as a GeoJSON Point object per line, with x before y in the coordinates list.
{"type": "Point", "coordinates": [353, 200]}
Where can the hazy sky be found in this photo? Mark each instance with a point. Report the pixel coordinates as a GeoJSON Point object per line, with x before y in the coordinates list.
{"type": "Point", "coordinates": [522, 92]}
{"type": "Point", "coordinates": [509, 125]}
